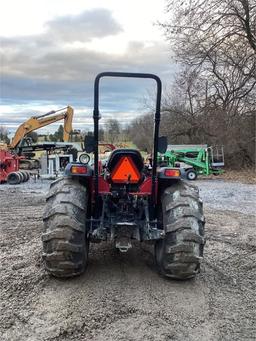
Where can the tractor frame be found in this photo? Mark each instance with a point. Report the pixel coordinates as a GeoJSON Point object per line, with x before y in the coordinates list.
{"type": "Point", "coordinates": [123, 201]}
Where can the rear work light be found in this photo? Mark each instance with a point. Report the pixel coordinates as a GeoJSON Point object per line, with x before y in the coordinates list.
{"type": "Point", "coordinates": [172, 172]}
{"type": "Point", "coordinates": [78, 169]}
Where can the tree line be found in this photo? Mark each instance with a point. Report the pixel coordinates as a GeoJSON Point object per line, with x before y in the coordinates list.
{"type": "Point", "coordinates": [111, 132]}
{"type": "Point", "coordinates": [213, 99]}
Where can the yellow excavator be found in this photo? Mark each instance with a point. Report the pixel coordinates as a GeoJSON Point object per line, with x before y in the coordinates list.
{"type": "Point", "coordinates": [37, 122]}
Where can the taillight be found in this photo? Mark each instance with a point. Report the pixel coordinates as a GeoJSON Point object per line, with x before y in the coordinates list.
{"type": "Point", "coordinates": [172, 172]}
{"type": "Point", "coordinates": [78, 169]}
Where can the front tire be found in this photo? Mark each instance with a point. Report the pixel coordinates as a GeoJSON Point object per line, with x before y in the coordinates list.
{"type": "Point", "coordinates": [179, 254]}
{"type": "Point", "coordinates": [65, 244]}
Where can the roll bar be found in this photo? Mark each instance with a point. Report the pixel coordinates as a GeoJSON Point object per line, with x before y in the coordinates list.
{"type": "Point", "coordinates": [96, 118]}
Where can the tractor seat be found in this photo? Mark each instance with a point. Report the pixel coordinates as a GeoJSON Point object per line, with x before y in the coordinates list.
{"type": "Point", "coordinates": [131, 153]}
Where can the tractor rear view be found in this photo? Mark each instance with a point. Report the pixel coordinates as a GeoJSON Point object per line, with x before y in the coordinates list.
{"type": "Point", "coordinates": [123, 200]}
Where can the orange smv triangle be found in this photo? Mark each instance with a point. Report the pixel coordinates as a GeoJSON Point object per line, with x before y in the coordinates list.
{"type": "Point", "coordinates": [125, 171]}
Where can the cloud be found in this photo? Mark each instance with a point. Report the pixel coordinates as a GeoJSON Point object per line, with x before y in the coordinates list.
{"type": "Point", "coordinates": [58, 68]}
{"type": "Point", "coordinates": [69, 74]}
{"type": "Point", "coordinates": [53, 53]}
{"type": "Point", "coordinates": [97, 23]}
{"type": "Point", "coordinates": [22, 58]}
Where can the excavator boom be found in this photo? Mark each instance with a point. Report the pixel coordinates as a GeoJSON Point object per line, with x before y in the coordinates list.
{"type": "Point", "coordinates": [37, 122]}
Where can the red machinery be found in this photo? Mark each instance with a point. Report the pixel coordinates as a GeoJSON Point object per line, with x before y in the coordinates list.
{"type": "Point", "coordinates": [9, 168]}
{"type": "Point", "coordinates": [123, 201]}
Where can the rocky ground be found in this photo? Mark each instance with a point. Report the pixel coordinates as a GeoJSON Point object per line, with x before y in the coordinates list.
{"type": "Point", "coordinates": [121, 297]}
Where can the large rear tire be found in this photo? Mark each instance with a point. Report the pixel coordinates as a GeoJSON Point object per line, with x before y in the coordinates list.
{"type": "Point", "coordinates": [179, 254]}
{"type": "Point", "coordinates": [65, 244]}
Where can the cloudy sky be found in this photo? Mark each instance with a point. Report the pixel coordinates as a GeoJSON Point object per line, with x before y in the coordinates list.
{"type": "Point", "coordinates": [51, 51]}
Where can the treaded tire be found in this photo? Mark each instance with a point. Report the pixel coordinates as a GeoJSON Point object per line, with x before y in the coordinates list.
{"type": "Point", "coordinates": [22, 176]}
{"type": "Point", "coordinates": [179, 254]}
{"type": "Point", "coordinates": [26, 175]}
{"type": "Point", "coordinates": [13, 178]}
{"type": "Point", "coordinates": [65, 246]}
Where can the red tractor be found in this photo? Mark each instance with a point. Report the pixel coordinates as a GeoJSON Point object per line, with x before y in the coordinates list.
{"type": "Point", "coordinates": [9, 168]}
{"type": "Point", "coordinates": [122, 201]}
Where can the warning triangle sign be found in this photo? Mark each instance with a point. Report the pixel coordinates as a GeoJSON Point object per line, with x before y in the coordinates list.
{"type": "Point", "coordinates": [125, 171]}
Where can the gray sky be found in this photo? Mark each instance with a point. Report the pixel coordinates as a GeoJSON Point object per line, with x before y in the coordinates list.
{"type": "Point", "coordinates": [51, 51]}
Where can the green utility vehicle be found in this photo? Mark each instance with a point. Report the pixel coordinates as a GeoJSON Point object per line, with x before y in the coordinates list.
{"type": "Point", "coordinates": [195, 160]}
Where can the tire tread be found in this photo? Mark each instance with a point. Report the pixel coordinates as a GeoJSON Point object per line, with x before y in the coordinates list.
{"type": "Point", "coordinates": [65, 250]}
{"type": "Point", "coordinates": [179, 254]}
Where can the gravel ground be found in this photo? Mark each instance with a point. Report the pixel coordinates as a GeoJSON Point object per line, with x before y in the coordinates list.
{"type": "Point", "coordinates": [121, 297]}
{"type": "Point", "coordinates": [226, 195]}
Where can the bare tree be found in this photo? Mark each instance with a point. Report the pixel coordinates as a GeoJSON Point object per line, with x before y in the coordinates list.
{"type": "Point", "coordinates": [140, 132]}
{"type": "Point", "coordinates": [4, 134]}
{"type": "Point", "coordinates": [113, 130]}
{"type": "Point", "coordinates": [209, 25]}
{"type": "Point", "coordinates": [214, 95]}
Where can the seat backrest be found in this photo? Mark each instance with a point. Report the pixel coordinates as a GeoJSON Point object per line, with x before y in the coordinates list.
{"type": "Point", "coordinates": [131, 153]}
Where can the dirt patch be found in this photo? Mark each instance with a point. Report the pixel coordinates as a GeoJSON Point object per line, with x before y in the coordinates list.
{"type": "Point", "coordinates": [246, 176]}
{"type": "Point", "coordinates": [121, 297]}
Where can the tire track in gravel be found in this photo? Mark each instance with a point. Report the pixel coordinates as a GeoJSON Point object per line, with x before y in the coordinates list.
{"type": "Point", "coordinates": [116, 293]}
{"type": "Point", "coordinates": [229, 264]}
